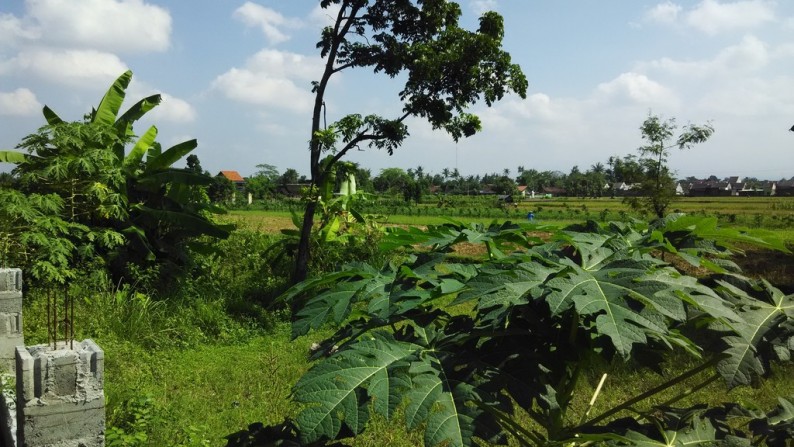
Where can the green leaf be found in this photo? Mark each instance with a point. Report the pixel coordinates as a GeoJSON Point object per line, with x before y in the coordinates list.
{"type": "Point", "coordinates": [758, 318]}
{"type": "Point", "coordinates": [339, 389]}
{"type": "Point", "coordinates": [497, 293]}
{"type": "Point", "coordinates": [51, 117]}
{"type": "Point", "coordinates": [134, 113]}
{"type": "Point", "coordinates": [681, 228]}
{"type": "Point", "coordinates": [701, 432]}
{"type": "Point", "coordinates": [13, 157]}
{"type": "Point", "coordinates": [139, 150]}
{"type": "Point", "coordinates": [194, 223]}
{"type": "Point", "coordinates": [156, 180]}
{"type": "Point", "coordinates": [111, 103]}
{"type": "Point", "coordinates": [156, 162]}
{"type": "Point", "coordinates": [440, 404]}
{"type": "Point", "coordinates": [613, 295]}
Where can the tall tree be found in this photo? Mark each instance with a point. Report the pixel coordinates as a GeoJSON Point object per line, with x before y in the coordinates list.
{"type": "Point", "coordinates": [446, 69]}
{"type": "Point", "coordinates": [658, 188]}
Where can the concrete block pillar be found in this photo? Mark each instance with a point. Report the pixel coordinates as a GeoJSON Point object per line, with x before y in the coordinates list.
{"type": "Point", "coordinates": [10, 317]}
{"type": "Point", "coordinates": [60, 396]}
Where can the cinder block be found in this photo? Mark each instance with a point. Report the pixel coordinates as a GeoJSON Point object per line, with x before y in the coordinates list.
{"type": "Point", "coordinates": [10, 290]}
{"type": "Point", "coordinates": [10, 280]}
{"type": "Point", "coordinates": [61, 400]}
{"type": "Point", "coordinates": [50, 424]}
{"type": "Point", "coordinates": [10, 317]}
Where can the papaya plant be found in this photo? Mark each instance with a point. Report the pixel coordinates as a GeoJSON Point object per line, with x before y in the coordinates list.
{"type": "Point", "coordinates": [473, 352]}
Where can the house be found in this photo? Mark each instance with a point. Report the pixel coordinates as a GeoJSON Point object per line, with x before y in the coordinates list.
{"type": "Point", "coordinates": [235, 178]}
{"type": "Point", "coordinates": [623, 188]}
{"type": "Point", "coordinates": [709, 188]}
{"type": "Point", "coordinates": [551, 191]}
{"type": "Point", "coordinates": [291, 189]}
{"type": "Point", "coordinates": [487, 190]}
{"type": "Point", "coordinates": [784, 188]}
{"type": "Point", "coordinates": [522, 191]}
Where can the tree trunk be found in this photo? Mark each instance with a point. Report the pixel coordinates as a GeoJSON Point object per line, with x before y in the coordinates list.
{"type": "Point", "coordinates": [302, 259]}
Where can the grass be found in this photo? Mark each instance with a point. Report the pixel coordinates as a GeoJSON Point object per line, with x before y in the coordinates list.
{"type": "Point", "coordinates": [216, 388]}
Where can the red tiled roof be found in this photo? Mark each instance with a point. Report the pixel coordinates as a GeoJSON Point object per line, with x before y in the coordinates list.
{"type": "Point", "coordinates": [232, 175]}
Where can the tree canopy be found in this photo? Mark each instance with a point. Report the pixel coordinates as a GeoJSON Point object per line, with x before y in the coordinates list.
{"type": "Point", "coordinates": [446, 70]}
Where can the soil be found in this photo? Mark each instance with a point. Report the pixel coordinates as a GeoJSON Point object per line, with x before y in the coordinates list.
{"type": "Point", "coordinates": [774, 266]}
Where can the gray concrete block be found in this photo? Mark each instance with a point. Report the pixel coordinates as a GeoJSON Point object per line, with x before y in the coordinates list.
{"type": "Point", "coordinates": [25, 373]}
{"type": "Point", "coordinates": [10, 302]}
{"type": "Point", "coordinates": [49, 424]}
{"type": "Point", "coordinates": [10, 280]}
{"type": "Point", "coordinates": [61, 398]}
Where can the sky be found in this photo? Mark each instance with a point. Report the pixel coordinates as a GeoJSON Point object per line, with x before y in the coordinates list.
{"type": "Point", "coordinates": [236, 75]}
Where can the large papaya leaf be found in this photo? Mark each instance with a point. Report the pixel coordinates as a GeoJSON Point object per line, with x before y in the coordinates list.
{"type": "Point", "coordinates": [701, 432]}
{"type": "Point", "coordinates": [435, 236]}
{"type": "Point", "coordinates": [593, 248]}
{"type": "Point", "coordinates": [760, 315]}
{"type": "Point", "coordinates": [110, 105]}
{"type": "Point", "coordinates": [496, 293]}
{"type": "Point", "coordinates": [441, 405]}
{"type": "Point", "coordinates": [331, 300]}
{"type": "Point", "coordinates": [340, 388]}
{"type": "Point", "coordinates": [625, 299]}
{"type": "Point", "coordinates": [683, 230]}
{"type": "Point", "coordinates": [777, 427]}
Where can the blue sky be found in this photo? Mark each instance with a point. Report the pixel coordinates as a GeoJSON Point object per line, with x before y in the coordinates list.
{"type": "Point", "coordinates": [236, 75]}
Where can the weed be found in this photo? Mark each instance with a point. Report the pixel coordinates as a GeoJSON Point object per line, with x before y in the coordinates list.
{"type": "Point", "coordinates": [130, 423]}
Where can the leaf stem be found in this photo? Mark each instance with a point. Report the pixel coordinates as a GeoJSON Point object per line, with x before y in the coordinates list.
{"type": "Point", "coordinates": [690, 390]}
{"type": "Point", "coordinates": [514, 428]}
{"type": "Point", "coordinates": [653, 391]}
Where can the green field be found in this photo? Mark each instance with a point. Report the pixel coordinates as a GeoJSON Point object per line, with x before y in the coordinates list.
{"type": "Point", "coordinates": [775, 213]}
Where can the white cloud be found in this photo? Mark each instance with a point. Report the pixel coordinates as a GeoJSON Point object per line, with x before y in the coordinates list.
{"type": "Point", "coordinates": [750, 55]}
{"type": "Point", "coordinates": [713, 17]}
{"type": "Point", "coordinates": [751, 98]}
{"type": "Point", "coordinates": [174, 110]}
{"type": "Point", "coordinates": [77, 68]}
{"type": "Point", "coordinates": [171, 108]}
{"type": "Point", "coordinates": [481, 6]}
{"type": "Point", "coordinates": [666, 12]}
{"type": "Point", "coordinates": [20, 102]}
{"type": "Point", "coordinates": [747, 79]}
{"type": "Point", "coordinates": [635, 89]}
{"type": "Point", "coordinates": [273, 78]}
{"type": "Point", "coordinates": [268, 20]}
{"type": "Point", "coordinates": [324, 17]}
{"type": "Point", "coordinates": [12, 30]}
{"type": "Point", "coordinates": [111, 25]}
